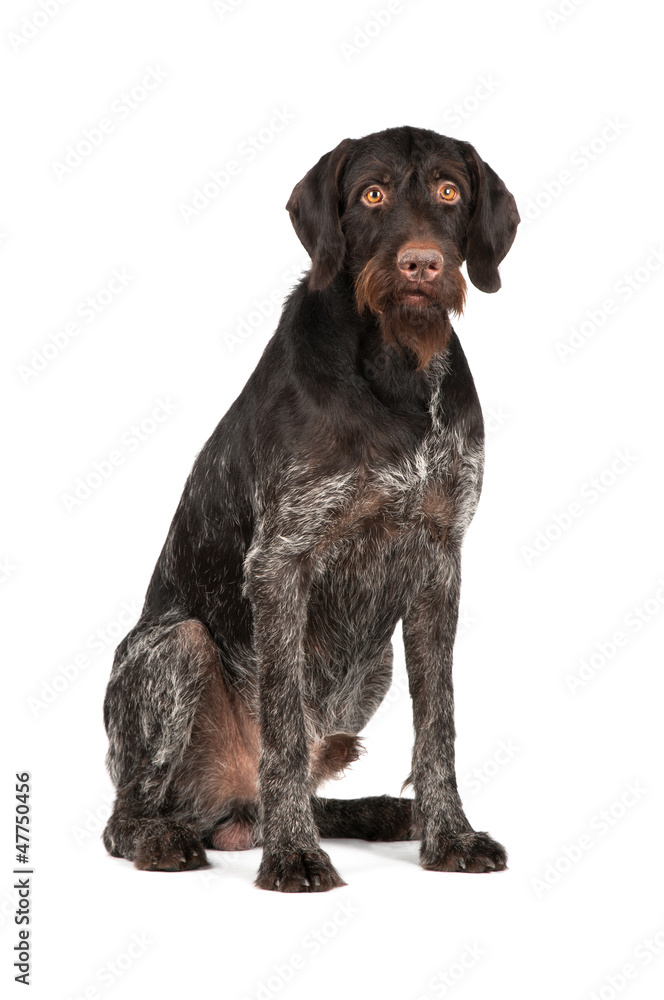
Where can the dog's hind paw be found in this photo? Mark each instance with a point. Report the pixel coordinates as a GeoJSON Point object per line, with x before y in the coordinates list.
{"type": "Point", "coordinates": [465, 852]}
{"type": "Point", "coordinates": [301, 871]}
{"type": "Point", "coordinates": [167, 846]}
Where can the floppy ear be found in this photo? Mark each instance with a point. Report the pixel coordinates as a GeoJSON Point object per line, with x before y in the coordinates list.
{"type": "Point", "coordinates": [492, 226]}
{"type": "Point", "coordinates": [314, 210]}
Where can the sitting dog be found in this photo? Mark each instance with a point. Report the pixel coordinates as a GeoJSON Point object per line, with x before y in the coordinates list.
{"type": "Point", "coordinates": [329, 504]}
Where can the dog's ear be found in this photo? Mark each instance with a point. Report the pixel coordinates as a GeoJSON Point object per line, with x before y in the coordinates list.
{"type": "Point", "coordinates": [492, 226]}
{"type": "Point", "coordinates": [314, 208]}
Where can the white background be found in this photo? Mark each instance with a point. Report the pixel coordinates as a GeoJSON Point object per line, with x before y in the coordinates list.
{"type": "Point", "coordinates": [538, 95]}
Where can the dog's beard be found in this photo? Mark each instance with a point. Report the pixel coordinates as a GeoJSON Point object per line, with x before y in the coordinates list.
{"type": "Point", "coordinates": [423, 329]}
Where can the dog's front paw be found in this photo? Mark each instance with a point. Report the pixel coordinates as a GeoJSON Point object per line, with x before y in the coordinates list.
{"type": "Point", "coordinates": [465, 852]}
{"type": "Point", "coordinates": [297, 871]}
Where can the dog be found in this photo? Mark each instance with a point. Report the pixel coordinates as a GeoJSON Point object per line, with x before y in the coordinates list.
{"type": "Point", "coordinates": [329, 504]}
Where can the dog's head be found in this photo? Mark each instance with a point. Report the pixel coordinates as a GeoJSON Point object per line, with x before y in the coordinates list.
{"type": "Point", "coordinates": [400, 210]}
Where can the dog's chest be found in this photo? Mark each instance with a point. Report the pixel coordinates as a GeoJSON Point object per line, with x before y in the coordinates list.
{"type": "Point", "coordinates": [396, 500]}
{"type": "Point", "coordinates": [417, 499]}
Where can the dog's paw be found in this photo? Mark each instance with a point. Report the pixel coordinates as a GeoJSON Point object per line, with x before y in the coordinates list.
{"type": "Point", "coordinates": [465, 852]}
{"type": "Point", "coordinates": [301, 871]}
{"type": "Point", "coordinates": [167, 846]}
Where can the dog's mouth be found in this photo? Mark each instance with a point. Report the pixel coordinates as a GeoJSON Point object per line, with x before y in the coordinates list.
{"type": "Point", "coordinates": [380, 290]}
{"type": "Point", "coordinates": [412, 314]}
{"type": "Point", "coordinates": [419, 296]}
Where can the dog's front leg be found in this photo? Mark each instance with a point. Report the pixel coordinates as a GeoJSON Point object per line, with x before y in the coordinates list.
{"type": "Point", "coordinates": [293, 861]}
{"type": "Point", "coordinates": [448, 841]}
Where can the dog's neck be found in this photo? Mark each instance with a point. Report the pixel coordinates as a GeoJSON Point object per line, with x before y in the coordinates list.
{"type": "Point", "coordinates": [391, 371]}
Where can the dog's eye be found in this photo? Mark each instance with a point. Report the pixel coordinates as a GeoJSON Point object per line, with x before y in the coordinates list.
{"type": "Point", "coordinates": [373, 195]}
{"type": "Point", "coordinates": [448, 192]}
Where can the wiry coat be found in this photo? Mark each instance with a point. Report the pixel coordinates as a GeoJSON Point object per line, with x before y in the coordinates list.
{"type": "Point", "coordinates": [329, 504]}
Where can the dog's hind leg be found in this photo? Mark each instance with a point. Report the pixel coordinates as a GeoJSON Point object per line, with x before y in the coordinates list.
{"type": "Point", "coordinates": [153, 843]}
{"type": "Point", "coordinates": [377, 817]}
{"type": "Point", "coordinates": [162, 671]}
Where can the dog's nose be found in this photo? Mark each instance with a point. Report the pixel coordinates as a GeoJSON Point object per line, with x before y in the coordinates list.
{"type": "Point", "coordinates": [420, 263]}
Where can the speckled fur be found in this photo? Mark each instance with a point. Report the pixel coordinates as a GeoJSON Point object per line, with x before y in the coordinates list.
{"type": "Point", "coordinates": [326, 507]}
